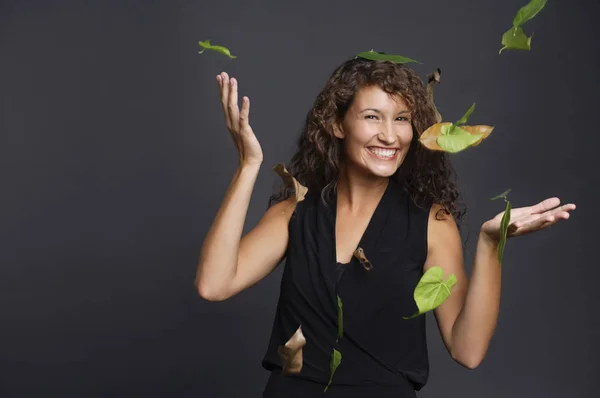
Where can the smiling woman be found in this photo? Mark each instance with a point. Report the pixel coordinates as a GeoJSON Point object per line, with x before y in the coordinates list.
{"type": "Point", "coordinates": [373, 104]}
{"type": "Point", "coordinates": [376, 131]}
{"type": "Point", "coordinates": [364, 212]}
{"type": "Point", "coordinates": [371, 188]}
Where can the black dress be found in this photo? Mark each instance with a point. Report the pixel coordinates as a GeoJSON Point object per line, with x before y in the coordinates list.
{"type": "Point", "coordinates": [383, 355]}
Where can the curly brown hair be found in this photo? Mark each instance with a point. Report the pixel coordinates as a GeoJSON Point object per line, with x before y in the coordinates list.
{"type": "Point", "coordinates": [426, 175]}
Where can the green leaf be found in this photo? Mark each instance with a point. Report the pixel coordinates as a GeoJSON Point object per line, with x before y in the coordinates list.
{"type": "Point", "coordinates": [336, 359]}
{"type": "Point", "coordinates": [451, 129]}
{"type": "Point", "coordinates": [504, 223]}
{"type": "Point", "coordinates": [446, 129]}
{"type": "Point", "coordinates": [220, 49]}
{"type": "Point", "coordinates": [457, 140]}
{"type": "Point", "coordinates": [502, 195]}
{"type": "Point", "coordinates": [515, 39]}
{"type": "Point", "coordinates": [503, 231]}
{"type": "Point", "coordinates": [528, 11]}
{"type": "Point", "coordinates": [340, 318]}
{"type": "Point", "coordinates": [465, 117]}
{"type": "Point", "coordinates": [375, 56]}
{"type": "Point", "coordinates": [432, 290]}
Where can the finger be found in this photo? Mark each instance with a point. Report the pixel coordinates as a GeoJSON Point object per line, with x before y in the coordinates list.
{"type": "Point", "coordinates": [519, 212]}
{"type": "Point", "coordinates": [568, 207]}
{"type": "Point", "coordinates": [245, 114]}
{"type": "Point", "coordinates": [546, 225]}
{"type": "Point", "coordinates": [545, 205]}
{"type": "Point", "coordinates": [225, 97]}
{"type": "Point", "coordinates": [234, 110]}
{"type": "Point", "coordinates": [525, 221]}
{"type": "Point", "coordinates": [562, 210]}
{"type": "Point", "coordinates": [563, 216]}
{"type": "Point", "coordinates": [535, 224]}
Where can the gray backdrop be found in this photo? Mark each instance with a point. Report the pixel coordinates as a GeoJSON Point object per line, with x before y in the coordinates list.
{"type": "Point", "coordinates": [115, 158]}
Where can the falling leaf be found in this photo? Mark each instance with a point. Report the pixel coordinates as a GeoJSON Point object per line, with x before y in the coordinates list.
{"type": "Point", "coordinates": [290, 182]}
{"type": "Point", "coordinates": [515, 38]}
{"type": "Point", "coordinates": [432, 79]}
{"type": "Point", "coordinates": [502, 195]}
{"type": "Point", "coordinates": [432, 290]}
{"type": "Point", "coordinates": [528, 11]}
{"type": "Point", "coordinates": [449, 137]}
{"type": "Point", "coordinates": [465, 117]}
{"type": "Point", "coordinates": [336, 359]}
{"type": "Point", "coordinates": [220, 49]}
{"type": "Point", "coordinates": [457, 139]}
{"type": "Point", "coordinates": [359, 253]}
{"type": "Point", "coordinates": [291, 353]}
{"type": "Point", "coordinates": [336, 356]}
{"type": "Point", "coordinates": [504, 231]}
{"type": "Point", "coordinates": [340, 318]}
{"type": "Point", "coordinates": [460, 121]}
{"type": "Point", "coordinates": [504, 223]}
{"type": "Point", "coordinates": [375, 56]}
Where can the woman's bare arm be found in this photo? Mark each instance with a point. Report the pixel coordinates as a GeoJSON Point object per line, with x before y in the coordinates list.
{"type": "Point", "coordinates": [229, 263]}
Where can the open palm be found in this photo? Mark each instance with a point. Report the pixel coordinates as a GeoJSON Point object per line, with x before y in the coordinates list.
{"type": "Point", "coordinates": [524, 220]}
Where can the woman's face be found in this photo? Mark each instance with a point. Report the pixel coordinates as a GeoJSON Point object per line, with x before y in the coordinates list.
{"type": "Point", "coordinates": [376, 132]}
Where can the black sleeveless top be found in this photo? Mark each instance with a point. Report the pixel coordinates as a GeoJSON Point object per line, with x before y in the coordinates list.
{"type": "Point", "coordinates": [379, 348]}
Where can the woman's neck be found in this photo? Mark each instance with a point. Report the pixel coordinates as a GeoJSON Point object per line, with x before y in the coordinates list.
{"type": "Point", "coordinates": [357, 191]}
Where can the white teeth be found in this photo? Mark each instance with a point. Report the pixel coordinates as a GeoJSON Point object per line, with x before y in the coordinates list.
{"type": "Point", "coordinates": [384, 153]}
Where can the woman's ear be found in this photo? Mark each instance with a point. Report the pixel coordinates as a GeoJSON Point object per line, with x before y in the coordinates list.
{"type": "Point", "coordinates": [338, 130]}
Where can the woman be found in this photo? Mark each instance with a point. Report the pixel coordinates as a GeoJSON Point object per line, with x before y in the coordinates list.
{"type": "Point", "coordinates": [379, 211]}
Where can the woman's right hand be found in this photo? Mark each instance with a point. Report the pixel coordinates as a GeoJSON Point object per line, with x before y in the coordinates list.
{"type": "Point", "coordinates": [238, 125]}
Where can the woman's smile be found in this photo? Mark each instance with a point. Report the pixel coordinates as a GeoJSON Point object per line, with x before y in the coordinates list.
{"type": "Point", "coordinates": [383, 153]}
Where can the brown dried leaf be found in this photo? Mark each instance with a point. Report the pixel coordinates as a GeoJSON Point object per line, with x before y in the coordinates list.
{"type": "Point", "coordinates": [291, 353]}
{"type": "Point", "coordinates": [291, 182]}
{"type": "Point", "coordinates": [479, 129]}
{"type": "Point", "coordinates": [434, 78]}
{"type": "Point", "coordinates": [359, 253]}
{"type": "Point", "coordinates": [430, 136]}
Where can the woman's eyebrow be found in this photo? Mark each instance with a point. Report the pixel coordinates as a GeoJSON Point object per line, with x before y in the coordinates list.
{"type": "Point", "coordinates": [378, 111]}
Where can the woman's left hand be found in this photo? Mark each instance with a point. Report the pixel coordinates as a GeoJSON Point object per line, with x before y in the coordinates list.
{"type": "Point", "coordinates": [524, 220]}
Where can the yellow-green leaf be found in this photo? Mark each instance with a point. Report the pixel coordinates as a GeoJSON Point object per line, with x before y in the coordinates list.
{"type": "Point", "coordinates": [457, 140]}
{"type": "Point", "coordinates": [220, 49]}
{"type": "Point", "coordinates": [336, 359]}
{"type": "Point", "coordinates": [504, 231]}
{"type": "Point", "coordinates": [504, 223]}
{"type": "Point", "coordinates": [375, 56]}
{"type": "Point", "coordinates": [502, 195]}
{"type": "Point", "coordinates": [465, 117]}
{"type": "Point", "coordinates": [528, 11]}
{"type": "Point", "coordinates": [429, 138]}
{"type": "Point", "coordinates": [515, 39]}
{"type": "Point", "coordinates": [432, 290]}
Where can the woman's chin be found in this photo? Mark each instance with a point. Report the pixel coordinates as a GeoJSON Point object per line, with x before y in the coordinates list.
{"type": "Point", "coordinates": [383, 171]}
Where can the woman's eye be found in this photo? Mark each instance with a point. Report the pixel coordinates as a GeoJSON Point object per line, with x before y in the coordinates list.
{"type": "Point", "coordinates": [372, 117]}
{"type": "Point", "coordinates": [403, 118]}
